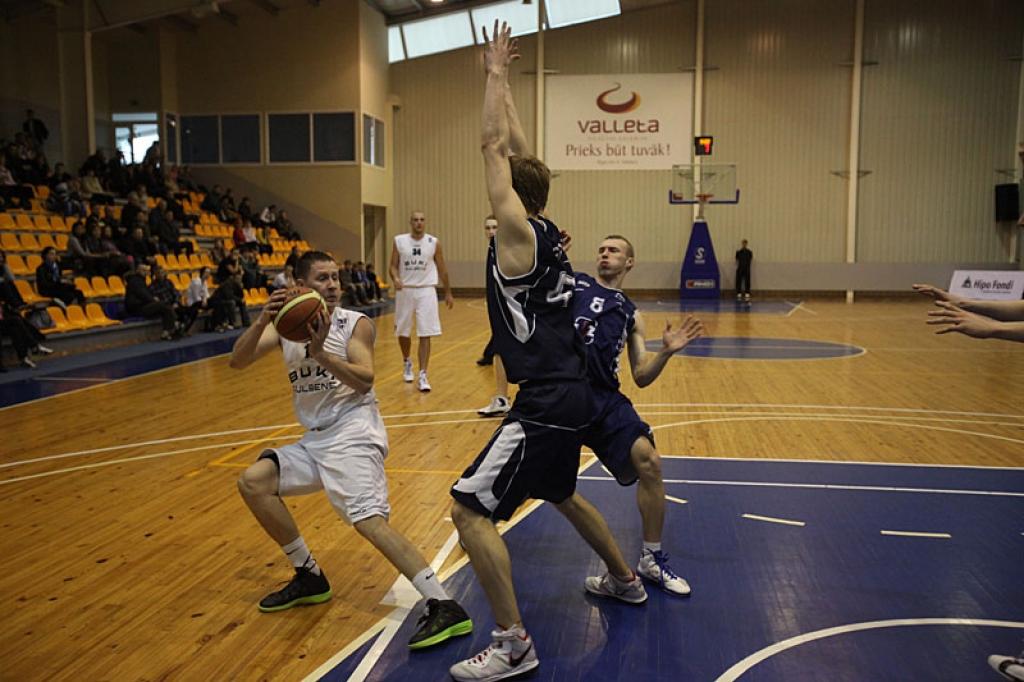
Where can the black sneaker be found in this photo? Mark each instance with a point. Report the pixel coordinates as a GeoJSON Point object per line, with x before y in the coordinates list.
{"type": "Point", "coordinates": [442, 620]}
{"type": "Point", "coordinates": [485, 361]}
{"type": "Point", "coordinates": [305, 588]}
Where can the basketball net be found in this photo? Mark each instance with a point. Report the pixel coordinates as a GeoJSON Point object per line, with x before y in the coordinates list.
{"type": "Point", "coordinates": [702, 199]}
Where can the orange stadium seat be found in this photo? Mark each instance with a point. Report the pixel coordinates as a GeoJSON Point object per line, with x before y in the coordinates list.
{"type": "Point", "coordinates": [59, 320]}
{"type": "Point", "coordinates": [117, 211]}
{"type": "Point", "coordinates": [30, 243]}
{"type": "Point", "coordinates": [43, 192]}
{"type": "Point", "coordinates": [27, 292]}
{"type": "Point", "coordinates": [99, 287]}
{"type": "Point", "coordinates": [17, 265]}
{"type": "Point", "coordinates": [33, 261]}
{"type": "Point", "coordinates": [77, 318]}
{"type": "Point", "coordinates": [206, 259]}
{"type": "Point", "coordinates": [162, 262]}
{"type": "Point", "coordinates": [60, 224]}
{"type": "Point", "coordinates": [41, 223]}
{"type": "Point", "coordinates": [7, 222]}
{"type": "Point", "coordinates": [23, 222]}
{"type": "Point", "coordinates": [83, 284]}
{"type": "Point", "coordinates": [61, 240]}
{"type": "Point", "coordinates": [46, 240]}
{"type": "Point", "coordinates": [194, 262]}
{"type": "Point", "coordinates": [9, 242]}
{"type": "Point", "coordinates": [262, 296]}
{"type": "Point", "coordinates": [116, 285]}
{"type": "Point", "coordinates": [97, 317]}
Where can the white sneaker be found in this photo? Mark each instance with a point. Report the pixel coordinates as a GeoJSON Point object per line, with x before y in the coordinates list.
{"type": "Point", "coordinates": [499, 405]}
{"type": "Point", "coordinates": [27, 362]}
{"type": "Point", "coordinates": [508, 655]}
{"type": "Point", "coordinates": [1010, 667]}
{"type": "Point", "coordinates": [407, 371]}
{"type": "Point", "coordinates": [608, 585]}
{"type": "Point", "coordinates": [746, 297]}
{"type": "Point", "coordinates": [654, 566]}
{"type": "Point", "coordinates": [424, 385]}
{"type": "Point", "coordinates": [43, 350]}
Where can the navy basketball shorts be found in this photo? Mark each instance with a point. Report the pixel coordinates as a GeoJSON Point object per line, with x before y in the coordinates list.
{"type": "Point", "coordinates": [535, 453]}
{"type": "Point", "coordinates": [613, 431]}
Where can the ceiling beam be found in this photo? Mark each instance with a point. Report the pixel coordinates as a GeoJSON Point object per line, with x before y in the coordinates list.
{"type": "Point", "coordinates": [267, 6]}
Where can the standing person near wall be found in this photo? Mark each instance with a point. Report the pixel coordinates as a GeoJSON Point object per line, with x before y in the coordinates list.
{"type": "Point", "coordinates": [416, 264]}
{"type": "Point", "coordinates": [744, 257]}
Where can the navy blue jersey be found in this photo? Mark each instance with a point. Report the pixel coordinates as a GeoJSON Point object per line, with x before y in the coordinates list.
{"type": "Point", "coordinates": [531, 316]}
{"type": "Point", "coordinates": [604, 318]}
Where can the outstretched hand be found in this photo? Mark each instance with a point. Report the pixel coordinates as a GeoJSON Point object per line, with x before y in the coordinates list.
{"type": "Point", "coordinates": [675, 340]}
{"type": "Point", "coordinates": [318, 328]}
{"type": "Point", "coordinates": [938, 294]}
{"type": "Point", "coordinates": [274, 305]}
{"type": "Point", "coordinates": [953, 319]}
{"type": "Point", "coordinates": [501, 49]}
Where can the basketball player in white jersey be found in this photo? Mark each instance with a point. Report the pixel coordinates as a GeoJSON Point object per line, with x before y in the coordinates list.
{"type": "Point", "coordinates": [341, 453]}
{"type": "Point", "coordinates": [416, 264]}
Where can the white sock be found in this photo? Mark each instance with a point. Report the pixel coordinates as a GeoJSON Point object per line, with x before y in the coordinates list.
{"type": "Point", "coordinates": [521, 636]}
{"type": "Point", "coordinates": [427, 584]}
{"type": "Point", "coordinates": [300, 556]}
{"type": "Point", "coordinates": [652, 546]}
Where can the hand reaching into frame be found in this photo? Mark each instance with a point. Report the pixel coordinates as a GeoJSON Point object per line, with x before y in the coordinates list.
{"type": "Point", "coordinates": [501, 49]}
{"type": "Point", "coordinates": [674, 340]}
{"type": "Point", "coordinates": [951, 318]}
{"type": "Point", "coordinates": [938, 294]}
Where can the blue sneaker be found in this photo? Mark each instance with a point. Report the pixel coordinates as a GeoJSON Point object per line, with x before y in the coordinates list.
{"type": "Point", "coordinates": [654, 567]}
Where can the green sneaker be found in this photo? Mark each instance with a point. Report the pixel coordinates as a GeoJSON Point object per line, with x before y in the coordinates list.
{"type": "Point", "coordinates": [442, 620]}
{"type": "Point", "coordinates": [305, 588]}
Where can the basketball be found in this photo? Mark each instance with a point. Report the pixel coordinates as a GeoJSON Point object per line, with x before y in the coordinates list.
{"type": "Point", "coordinates": [302, 306]}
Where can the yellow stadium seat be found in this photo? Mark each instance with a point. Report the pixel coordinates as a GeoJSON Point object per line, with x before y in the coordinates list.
{"type": "Point", "coordinates": [99, 286]}
{"type": "Point", "coordinates": [194, 262]}
{"type": "Point", "coordinates": [58, 319]}
{"type": "Point", "coordinates": [9, 242]}
{"type": "Point", "coordinates": [37, 206]}
{"type": "Point", "coordinates": [23, 222]}
{"type": "Point", "coordinates": [206, 259]}
{"type": "Point", "coordinates": [33, 261]}
{"type": "Point", "coordinates": [150, 202]}
{"type": "Point", "coordinates": [17, 265]}
{"type": "Point", "coordinates": [60, 224]}
{"type": "Point", "coordinates": [41, 222]}
{"type": "Point", "coordinates": [249, 297]}
{"type": "Point", "coordinates": [263, 296]}
{"type": "Point", "coordinates": [61, 240]}
{"type": "Point", "coordinates": [117, 211]}
{"type": "Point", "coordinates": [46, 240]}
{"type": "Point", "coordinates": [43, 192]}
{"type": "Point", "coordinates": [7, 222]}
{"type": "Point", "coordinates": [30, 243]}
{"type": "Point", "coordinates": [162, 262]}
{"type": "Point", "coordinates": [27, 292]}
{"type": "Point", "coordinates": [116, 285]}
{"type": "Point", "coordinates": [83, 284]}
{"type": "Point", "coordinates": [77, 318]}
{"type": "Point", "coordinates": [200, 229]}
{"type": "Point", "coordinates": [97, 317]}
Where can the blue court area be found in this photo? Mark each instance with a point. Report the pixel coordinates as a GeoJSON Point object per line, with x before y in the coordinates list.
{"type": "Point", "coordinates": [753, 348]}
{"type": "Point", "coordinates": [719, 305]}
{"type": "Point", "coordinates": [883, 607]}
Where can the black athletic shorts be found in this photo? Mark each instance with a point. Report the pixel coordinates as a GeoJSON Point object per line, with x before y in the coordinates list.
{"type": "Point", "coordinates": [534, 453]}
{"type": "Point", "coordinates": [613, 431]}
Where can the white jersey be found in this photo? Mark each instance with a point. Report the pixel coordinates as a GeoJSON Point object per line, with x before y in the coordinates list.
{"type": "Point", "coordinates": [320, 399]}
{"type": "Point", "coordinates": [416, 266]}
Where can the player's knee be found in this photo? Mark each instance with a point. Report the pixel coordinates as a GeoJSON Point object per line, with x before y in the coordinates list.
{"type": "Point", "coordinates": [371, 527]}
{"type": "Point", "coordinates": [462, 516]}
{"type": "Point", "coordinates": [646, 460]}
{"type": "Point", "coordinates": [259, 479]}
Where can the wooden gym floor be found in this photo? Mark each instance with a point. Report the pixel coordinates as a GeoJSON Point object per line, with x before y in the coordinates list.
{"type": "Point", "coordinates": [127, 553]}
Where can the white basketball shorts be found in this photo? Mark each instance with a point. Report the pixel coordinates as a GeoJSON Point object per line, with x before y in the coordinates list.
{"type": "Point", "coordinates": [345, 460]}
{"type": "Point", "coordinates": [421, 302]}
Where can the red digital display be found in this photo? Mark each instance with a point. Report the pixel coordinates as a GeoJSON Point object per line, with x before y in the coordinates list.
{"type": "Point", "coordinates": [702, 145]}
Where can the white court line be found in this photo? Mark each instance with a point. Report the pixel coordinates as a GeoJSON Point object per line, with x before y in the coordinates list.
{"type": "Point", "coordinates": [737, 670]}
{"type": "Point", "coordinates": [804, 308]}
{"type": "Point", "coordinates": [833, 407]}
{"type": "Point", "coordinates": [916, 534]}
{"type": "Point", "coordinates": [828, 486]}
{"type": "Point", "coordinates": [772, 519]}
{"type": "Point", "coordinates": [945, 420]}
{"type": "Point", "coordinates": [844, 462]}
{"type": "Point", "coordinates": [679, 500]}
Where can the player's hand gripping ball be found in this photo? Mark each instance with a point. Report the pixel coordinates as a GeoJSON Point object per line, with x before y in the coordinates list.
{"type": "Point", "coordinates": [299, 309]}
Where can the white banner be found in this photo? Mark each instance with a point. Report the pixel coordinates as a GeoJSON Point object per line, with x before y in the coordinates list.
{"type": "Point", "coordinates": [619, 122]}
{"type": "Point", "coordinates": [988, 285]}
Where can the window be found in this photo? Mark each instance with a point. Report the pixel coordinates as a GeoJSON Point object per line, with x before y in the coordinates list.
{"type": "Point", "coordinates": [373, 140]}
{"type": "Point", "coordinates": [200, 139]}
{"type": "Point", "coordinates": [334, 137]}
{"type": "Point", "coordinates": [171, 138]}
{"type": "Point", "coordinates": [567, 12]}
{"type": "Point", "coordinates": [240, 138]}
{"type": "Point", "coordinates": [437, 34]}
{"type": "Point", "coordinates": [289, 138]}
{"type": "Point", "coordinates": [396, 50]}
{"type": "Point", "coordinates": [522, 18]}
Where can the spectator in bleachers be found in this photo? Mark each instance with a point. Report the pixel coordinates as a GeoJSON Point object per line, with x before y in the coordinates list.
{"type": "Point", "coordinates": [227, 203]}
{"type": "Point", "coordinates": [263, 240]}
{"type": "Point", "coordinates": [252, 275]}
{"type": "Point", "coordinates": [293, 258]}
{"type": "Point", "coordinates": [117, 174]}
{"type": "Point", "coordinates": [269, 215]}
{"type": "Point", "coordinates": [356, 291]}
{"type": "Point", "coordinates": [245, 209]}
{"type": "Point", "coordinates": [371, 277]}
{"type": "Point", "coordinates": [25, 337]}
{"type": "Point", "coordinates": [35, 129]}
{"type": "Point", "coordinates": [109, 219]}
{"type": "Point", "coordinates": [165, 292]}
{"type": "Point", "coordinates": [284, 279]}
{"type": "Point", "coordinates": [117, 262]}
{"type": "Point", "coordinates": [218, 252]}
{"type": "Point", "coordinates": [142, 192]}
{"type": "Point", "coordinates": [50, 283]}
{"type": "Point", "coordinates": [238, 234]}
{"type": "Point", "coordinates": [154, 155]}
{"type": "Point", "coordinates": [251, 239]}
{"type": "Point", "coordinates": [82, 260]}
{"type": "Point", "coordinates": [197, 297]}
{"type": "Point", "coordinates": [10, 190]}
{"type": "Point", "coordinates": [369, 283]}
{"type": "Point", "coordinates": [141, 250]}
{"type": "Point", "coordinates": [170, 235]}
{"type": "Point", "coordinates": [185, 180]}
{"type": "Point", "coordinates": [212, 202]}
{"type": "Point", "coordinates": [228, 267]}
{"type": "Point", "coordinates": [97, 163]}
{"type": "Point", "coordinates": [285, 227]}
{"type": "Point", "coordinates": [65, 200]}
{"type": "Point", "coordinates": [139, 301]}
{"type": "Point", "coordinates": [131, 212]}
{"type": "Point", "coordinates": [93, 190]}
{"type": "Point", "coordinates": [230, 297]}
{"type": "Point", "coordinates": [59, 175]}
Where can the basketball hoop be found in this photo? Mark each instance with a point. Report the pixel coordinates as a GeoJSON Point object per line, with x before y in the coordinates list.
{"type": "Point", "coordinates": [705, 197]}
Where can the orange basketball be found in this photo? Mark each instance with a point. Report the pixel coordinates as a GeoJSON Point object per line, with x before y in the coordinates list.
{"type": "Point", "coordinates": [301, 307]}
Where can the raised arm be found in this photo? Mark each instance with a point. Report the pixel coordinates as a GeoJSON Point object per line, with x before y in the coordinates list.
{"type": "Point", "coordinates": [1006, 311]}
{"type": "Point", "coordinates": [647, 366]}
{"type": "Point", "coordinates": [517, 139]}
{"type": "Point", "coordinates": [515, 240]}
{"type": "Point", "coordinates": [261, 337]}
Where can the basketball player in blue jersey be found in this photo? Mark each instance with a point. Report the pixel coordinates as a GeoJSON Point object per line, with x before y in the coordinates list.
{"type": "Point", "coordinates": [535, 451]}
{"type": "Point", "coordinates": [607, 321]}
{"type": "Point", "coordinates": [341, 453]}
